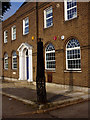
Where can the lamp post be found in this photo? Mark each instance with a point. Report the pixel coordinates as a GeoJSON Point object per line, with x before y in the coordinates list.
{"type": "Point", "coordinates": [40, 78]}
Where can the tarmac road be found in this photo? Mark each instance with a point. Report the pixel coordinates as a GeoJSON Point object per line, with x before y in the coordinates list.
{"type": "Point", "coordinates": [14, 109]}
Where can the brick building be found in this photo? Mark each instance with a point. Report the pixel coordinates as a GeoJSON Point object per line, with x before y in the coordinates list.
{"type": "Point", "coordinates": [64, 29]}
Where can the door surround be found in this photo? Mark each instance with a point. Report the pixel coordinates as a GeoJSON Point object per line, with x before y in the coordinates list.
{"type": "Point", "coordinates": [22, 62]}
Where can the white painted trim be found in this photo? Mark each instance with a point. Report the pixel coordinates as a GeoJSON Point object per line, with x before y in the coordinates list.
{"type": "Point", "coordinates": [22, 62]}
{"type": "Point", "coordinates": [30, 66]}
{"type": "Point", "coordinates": [13, 32]}
{"type": "Point", "coordinates": [72, 71]}
{"type": "Point", "coordinates": [71, 48]}
{"type": "Point", "coordinates": [24, 45]}
{"type": "Point", "coordinates": [23, 26]}
{"type": "Point", "coordinates": [5, 40]}
{"type": "Point", "coordinates": [44, 19]}
{"type": "Point", "coordinates": [65, 9]}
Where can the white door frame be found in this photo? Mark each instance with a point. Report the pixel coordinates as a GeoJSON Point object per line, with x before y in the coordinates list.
{"type": "Point", "coordinates": [22, 62]}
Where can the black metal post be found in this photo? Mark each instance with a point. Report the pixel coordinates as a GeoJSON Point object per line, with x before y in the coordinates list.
{"type": "Point", "coordinates": [40, 78]}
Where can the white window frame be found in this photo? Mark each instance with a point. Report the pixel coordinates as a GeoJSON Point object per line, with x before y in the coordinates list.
{"type": "Point", "coordinates": [65, 10]}
{"type": "Point", "coordinates": [45, 26]}
{"type": "Point", "coordinates": [13, 33]}
{"type": "Point", "coordinates": [53, 51]}
{"type": "Point", "coordinates": [72, 59]}
{"type": "Point", "coordinates": [5, 36]}
{"type": "Point", "coordinates": [25, 26]}
{"type": "Point", "coordinates": [13, 62]}
{"type": "Point", "coordinates": [5, 58]}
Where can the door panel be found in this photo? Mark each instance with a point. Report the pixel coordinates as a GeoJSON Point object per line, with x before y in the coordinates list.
{"type": "Point", "coordinates": [49, 77]}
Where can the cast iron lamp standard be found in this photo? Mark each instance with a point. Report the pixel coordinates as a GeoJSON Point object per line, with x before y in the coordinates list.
{"type": "Point", "coordinates": [40, 79]}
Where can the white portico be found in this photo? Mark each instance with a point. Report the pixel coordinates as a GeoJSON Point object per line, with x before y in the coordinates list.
{"type": "Point", "coordinates": [25, 62]}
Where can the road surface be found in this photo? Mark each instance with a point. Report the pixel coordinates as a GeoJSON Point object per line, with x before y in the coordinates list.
{"type": "Point", "coordinates": [14, 109]}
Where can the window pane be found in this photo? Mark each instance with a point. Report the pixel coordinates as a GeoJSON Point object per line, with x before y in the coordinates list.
{"type": "Point", "coordinates": [6, 66]}
{"type": "Point", "coordinates": [48, 15]}
{"type": "Point", "coordinates": [50, 47]}
{"type": "Point", "coordinates": [14, 65]}
{"type": "Point", "coordinates": [6, 32]}
{"type": "Point", "coordinates": [6, 60]}
{"type": "Point", "coordinates": [14, 36]}
{"type": "Point", "coordinates": [26, 29]}
{"type": "Point", "coordinates": [51, 64]}
{"type": "Point", "coordinates": [26, 22]}
{"type": "Point", "coordinates": [14, 29]}
{"type": "Point", "coordinates": [73, 43]}
{"type": "Point", "coordinates": [14, 60]}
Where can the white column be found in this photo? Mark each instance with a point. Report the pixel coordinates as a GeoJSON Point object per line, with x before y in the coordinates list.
{"type": "Point", "coordinates": [30, 66]}
{"type": "Point", "coordinates": [20, 66]}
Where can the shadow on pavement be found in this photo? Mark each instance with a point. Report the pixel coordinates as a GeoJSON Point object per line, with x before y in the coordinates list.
{"type": "Point", "coordinates": [30, 94]}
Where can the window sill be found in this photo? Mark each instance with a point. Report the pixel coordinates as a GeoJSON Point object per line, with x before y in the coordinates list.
{"type": "Point", "coordinates": [5, 69]}
{"type": "Point", "coordinates": [50, 70]}
{"type": "Point", "coordinates": [72, 71]}
{"type": "Point", "coordinates": [5, 42]}
{"type": "Point", "coordinates": [14, 69]}
{"type": "Point", "coordinates": [13, 39]}
{"type": "Point", "coordinates": [25, 34]}
{"type": "Point", "coordinates": [71, 19]}
{"type": "Point", "coordinates": [48, 27]}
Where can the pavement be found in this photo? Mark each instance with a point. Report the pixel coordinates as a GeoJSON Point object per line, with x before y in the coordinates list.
{"type": "Point", "coordinates": [57, 96]}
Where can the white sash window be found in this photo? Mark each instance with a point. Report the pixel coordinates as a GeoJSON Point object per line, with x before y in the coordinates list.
{"type": "Point", "coordinates": [14, 60]}
{"type": "Point", "coordinates": [50, 57]}
{"type": "Point", "coordinates": [26, 26]}
{"type": "Point", "coordinates": [73, 56]}
{"type": "Point", "coordinates": [6, 61]}
{"type": "Point", "coordinates": [48, 17]}
{"type": "Point", "coordinates": [70, 9]}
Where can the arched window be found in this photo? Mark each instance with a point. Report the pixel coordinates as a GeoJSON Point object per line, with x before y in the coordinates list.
{"type": "Point", "coordinates": [5, 61]}
{"type": "Point", "coordinates": [14, 60]}
{"type": "Point", "coordinates": [50, 57]}
{"type": "Point", "coordinates": [73, 57]}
